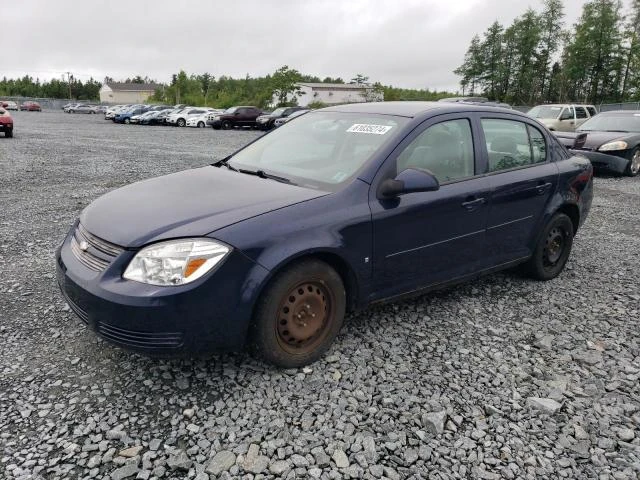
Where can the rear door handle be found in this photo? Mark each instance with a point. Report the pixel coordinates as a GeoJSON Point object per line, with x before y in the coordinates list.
{"type": "Point", "coordinates": [474, 203]}
{"type": "Point", "coordinates": [543, 187]}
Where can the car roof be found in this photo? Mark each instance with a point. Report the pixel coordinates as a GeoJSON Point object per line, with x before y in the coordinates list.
{"type": "Point", "coordinates": [414, 109]}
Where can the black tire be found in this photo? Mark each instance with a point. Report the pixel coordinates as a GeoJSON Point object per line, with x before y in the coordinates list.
{"type": "Point", "coordinates": [633, 169]}
{"type": "Point", "coordinates": [8, 133]}
{"type": "Point", "coordinates": [181, 122]}
{"type": "Point", "coordinates": [226, 125]}
{"type": "Point", "coordinates": [201, 125]}
{"type": "Point", "coordinates": [299, 315]}
{"type": "Point", "coordinates": [553, 249]}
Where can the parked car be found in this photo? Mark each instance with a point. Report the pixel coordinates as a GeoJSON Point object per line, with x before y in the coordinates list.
{"type": "Point", "coordinates": [282, 120]}
{"type": "Point", "coordinates": [82, 108]}
{"type": "Point", "coordinates": [138, 118]}
{"type": "Point", "coordinates": [341, 208]}
{"type": "Point", "coordinates": [158, 118]}
{"type": "Point", "coordinates": [9, 105]}
{"type": "Point", "coordinates": [6, 123]}
{"type": "Point", "coordinates": [200, 121]}
{"type": "Point", "coordinates": [562, 117]}
{"type": "Point", "coordinates": [31, 107]}
{"type": "Point", "coordinates": [611, 141]}
{"type": "Point", "coordinates": [236, 117]}
{"type": "Point", "coordinates": [180, 117]}
{"type": "Point", "coordinates": [125, 116]}
{"type": "Point", "coordinates": [266, 121]}
{"type": "Point", "coordinates": [114, 110]}
{"type": "Point", "coordinates": [101, 109]}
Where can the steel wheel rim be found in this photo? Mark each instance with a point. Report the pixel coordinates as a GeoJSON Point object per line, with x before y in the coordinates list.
{"type": "Point", "coordinates": [303, 317]}
{"type": "Point", "coordinates": [635, 163]}
{"type": "Point", "coordinates": [554, 247]}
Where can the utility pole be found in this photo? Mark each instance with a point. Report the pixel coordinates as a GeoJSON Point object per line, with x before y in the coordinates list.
{"type": "Point", "coordinates": [69, 82]}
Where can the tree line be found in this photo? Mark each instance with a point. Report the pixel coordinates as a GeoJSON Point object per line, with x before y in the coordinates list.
{"type": "Point", "coordinates": [206, 90]}
{"type": "Point", "coordinates": [27, 86]}
{"type": "Point", "coordinates": [537, 59]}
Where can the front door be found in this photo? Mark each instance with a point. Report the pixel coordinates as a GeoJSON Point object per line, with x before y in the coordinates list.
{"type": "Point", "coordinates": [426, 238]}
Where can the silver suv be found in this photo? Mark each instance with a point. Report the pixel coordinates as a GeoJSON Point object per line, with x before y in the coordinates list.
{"type": "Point", "coordinates": [562, 117]}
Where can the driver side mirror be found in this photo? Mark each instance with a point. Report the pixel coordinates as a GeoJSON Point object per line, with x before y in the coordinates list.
{"type": "Point", "coordinates": [410, 180]}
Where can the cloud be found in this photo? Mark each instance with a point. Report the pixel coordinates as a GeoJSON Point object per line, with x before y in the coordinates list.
{"type": "Point", "coordinates": [407, 43]}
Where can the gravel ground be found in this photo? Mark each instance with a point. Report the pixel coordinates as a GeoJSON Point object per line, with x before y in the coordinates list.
{"type": "Point", "coordinates": [501, 378]}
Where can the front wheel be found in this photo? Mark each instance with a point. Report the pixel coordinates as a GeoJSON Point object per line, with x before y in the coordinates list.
{"type": "Point", "coordinates": [201, 125]}
{"type": "Point", "coordinates": [127, 121]}
{"type": "Point", "coordinates": [299, 315]}
{"type": "Point", "coordinates": [181, 122]}
{"type": "Point", "coordinates": [226, 125]}
{"type": "Point", "coordinates": [633, 169]}
{"type": "Point", "coordinates": [553, 248]}
{"type": "Point", "coordinates": [8, 133]}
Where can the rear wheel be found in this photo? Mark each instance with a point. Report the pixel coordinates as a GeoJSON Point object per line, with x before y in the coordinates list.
{"type": "Point", "coordinates": [226, 125]}
{"type": "Point", "coordinates": [553, 248]}
{"type": "Point", "coordinates": [299, 314]}
{"type": "Point", "coordinates": [633, 169]}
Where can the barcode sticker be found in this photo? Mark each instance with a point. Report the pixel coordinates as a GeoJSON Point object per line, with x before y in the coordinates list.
{"type": "Point", "coordinates": [368, 128]}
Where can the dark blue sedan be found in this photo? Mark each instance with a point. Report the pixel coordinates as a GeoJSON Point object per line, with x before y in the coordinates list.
{"type": "Point", "coordinates": [341, 208]}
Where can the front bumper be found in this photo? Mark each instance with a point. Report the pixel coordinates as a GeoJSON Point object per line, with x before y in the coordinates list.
{"type": "Point", "coordinates": [212, 314]}
{"type": "Point", "coordinates": [605, 163]}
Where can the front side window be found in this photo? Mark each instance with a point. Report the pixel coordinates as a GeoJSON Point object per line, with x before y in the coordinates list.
{"type": "Point", "coordinates": [512, 144]}
{"type": "Point", "coordinates": [445, 149]}
{"type": "Point", "coordinates": [320, 149]}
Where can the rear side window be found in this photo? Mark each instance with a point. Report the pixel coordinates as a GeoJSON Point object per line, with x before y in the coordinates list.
{"type": "Point", "coordinates": [592, 111]}
{"type": "Point", "coordinates": [512, 144]}
{"type": "Point", "coordinates": [445, 149]}
{"type": "Point", "coordinates": [581, 112]}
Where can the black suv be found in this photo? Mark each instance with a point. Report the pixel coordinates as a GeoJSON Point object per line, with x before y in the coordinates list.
{"type": "Point", "coordinates": [236, 117]}
{"type": "Point", "coordinates": [266, 122]}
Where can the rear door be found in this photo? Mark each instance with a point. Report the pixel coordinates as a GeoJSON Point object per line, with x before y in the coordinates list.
{"type": "Point", "coordinates": [522, 179]}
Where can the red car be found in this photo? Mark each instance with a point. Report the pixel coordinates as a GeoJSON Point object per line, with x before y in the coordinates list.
{"type": "Point", "coordinates": [31, 107]}
{"type": "Point", "coordinates": [6, 123]}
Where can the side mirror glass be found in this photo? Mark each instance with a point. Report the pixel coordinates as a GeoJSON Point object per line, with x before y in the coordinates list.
{"type": "Point", "coordinates": [410, 180]}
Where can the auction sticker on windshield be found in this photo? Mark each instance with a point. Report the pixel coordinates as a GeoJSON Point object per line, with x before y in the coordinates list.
{"type": "Point", "coordinates": [368, 128]}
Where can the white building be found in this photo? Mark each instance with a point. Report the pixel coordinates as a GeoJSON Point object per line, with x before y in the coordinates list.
{"type": "Point", "coordinates": [113, 92]}
{"type": "Point", "coordinates": [332, 93]}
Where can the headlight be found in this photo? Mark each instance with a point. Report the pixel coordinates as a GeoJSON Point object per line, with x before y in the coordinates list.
{"type": "Point", "coordinates": [176, 262]}
{"type": "Point", "coordinates": [617, 145]}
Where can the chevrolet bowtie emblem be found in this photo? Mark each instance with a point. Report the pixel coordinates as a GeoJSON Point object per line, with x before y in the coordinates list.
{"type": "Point", "coordinates": [84, 246]}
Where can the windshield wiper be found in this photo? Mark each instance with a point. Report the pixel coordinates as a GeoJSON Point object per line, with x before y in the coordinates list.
{"type": "Point", "coordinates": [225, 162]}
{"type": "Point", "coordinates": [263, 174]}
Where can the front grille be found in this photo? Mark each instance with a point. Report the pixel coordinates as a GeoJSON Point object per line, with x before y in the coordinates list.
{"type": "Point", "coordinates": [134, 338]}
{"type": "Point", "coordinates": [99, 253]}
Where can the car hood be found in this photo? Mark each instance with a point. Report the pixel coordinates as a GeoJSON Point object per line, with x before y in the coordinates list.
{"type": "Point", "coordinates": [595, 139]}
{"type": "Point", "coordinates": [189, 203]}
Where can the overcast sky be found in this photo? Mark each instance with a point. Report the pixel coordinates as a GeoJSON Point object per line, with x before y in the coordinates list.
{"type": "Point", "coordinates": [406, 43]}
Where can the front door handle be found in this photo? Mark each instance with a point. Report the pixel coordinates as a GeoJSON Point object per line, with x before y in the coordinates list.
{"type": "Point", "coordinates": [543, 187]}
{"type": "Point", "coordinates": [473, 203]}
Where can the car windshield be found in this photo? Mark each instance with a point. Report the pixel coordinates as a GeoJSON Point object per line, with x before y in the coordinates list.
{"type": "Point", "coordinates": [277, 112]}
{"type": "Point", "coordinates": [622, 122]}
{"type": "Point", "coordinates": [320, 150]}
{"type": "Point", "coordinates": [231, 110]}
{"type": "Point", "coordinates": [545, 111]}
